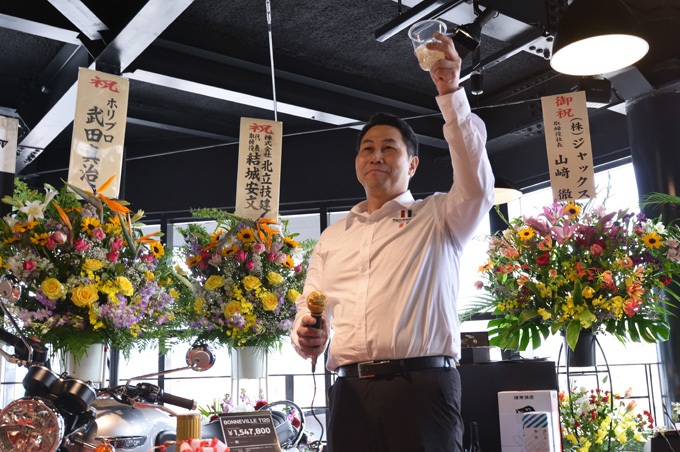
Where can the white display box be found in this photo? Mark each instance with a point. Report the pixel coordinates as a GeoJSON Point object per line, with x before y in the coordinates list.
{"type": "Point", "coordinates": [512, 405]}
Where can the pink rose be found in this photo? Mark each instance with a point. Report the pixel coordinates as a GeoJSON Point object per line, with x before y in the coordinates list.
{"type": "Point", "coordinates": [50, 243]}
{"type": "Point", "coordinates": [281, 259]}
{"type": "Point", "coordinates": [81, 245]}
{"type": "Point", "coordinates": [145, 257]}
{"type": "Point", "coordinates": [241, 256]}
{"type": "Point", "coordinates": [29, 265]}
{"type": "Point", "coordinates": [117, 243]}
{"type": "Point", "coordinates": [99, 234]}
{"type": "Point", "coordinates": [298, 268]}
{"type": "Point", "coordinates": [271, 257]}
{"type": "Point", "coordinates": [112, 256]}
{"type": "Point", "coordinates": [258, 248]}
{"type": "Point", "coordinates": [58, 237]}
{"type": "Point", "coordinates": [250, 265]}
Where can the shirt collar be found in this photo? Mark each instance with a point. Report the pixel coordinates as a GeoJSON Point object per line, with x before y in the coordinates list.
{"type": "Point", "coordinates": [404, 200]}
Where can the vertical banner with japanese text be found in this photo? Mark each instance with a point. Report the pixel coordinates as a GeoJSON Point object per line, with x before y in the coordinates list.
{"type": "Point", "coordinates": [9, 136]}
{"type": "Point", "coordinates": [567, 138]}
{"type": "Point", "coordinates": [98, 131]}
{"type": "Point", "coordinates": [259, 168]}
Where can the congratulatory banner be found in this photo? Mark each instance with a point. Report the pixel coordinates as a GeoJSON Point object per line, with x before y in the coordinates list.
{"type": "Point", "coordinates": [99, 131]}
{"type": "Point", "coordinates": [567, 138]}
{"type": "Point", "coordinates": [259, 168]}
{"type": "Point", "coordinates": [9, 132]}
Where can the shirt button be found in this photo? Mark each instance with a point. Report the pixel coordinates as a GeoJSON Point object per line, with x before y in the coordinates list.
{"type": "Point", "coordinates": [365, 245]}
{"type": "Point", "coordinates": [363, 269]}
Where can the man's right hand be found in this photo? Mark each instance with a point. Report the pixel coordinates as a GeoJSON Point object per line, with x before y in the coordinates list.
{"type": "Point", "coordinates": [312, 340]}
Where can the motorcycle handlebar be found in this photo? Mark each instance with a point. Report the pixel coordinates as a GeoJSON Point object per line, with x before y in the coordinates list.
{"type": "Point", "coordinates": [39, 350]}
{"type": "Point", "coordinates": [9, 338]}
{"type": "Point", "coordinates": [177, 401]}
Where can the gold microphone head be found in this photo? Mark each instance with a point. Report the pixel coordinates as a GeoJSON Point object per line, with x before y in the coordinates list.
{"type": "Point", "coordinates": [316, 302]}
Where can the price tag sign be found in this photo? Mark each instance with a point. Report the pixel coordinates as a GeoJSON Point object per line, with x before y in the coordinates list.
{"type": "Point", "coordinates": [250, 432]}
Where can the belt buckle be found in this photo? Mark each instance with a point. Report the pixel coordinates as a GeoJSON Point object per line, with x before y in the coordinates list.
{"type": "Point", "coordinates": [363, 368]}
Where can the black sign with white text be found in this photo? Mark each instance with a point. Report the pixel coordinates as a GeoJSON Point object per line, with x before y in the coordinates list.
{"type": "Point", "coordinates": [250, 432]}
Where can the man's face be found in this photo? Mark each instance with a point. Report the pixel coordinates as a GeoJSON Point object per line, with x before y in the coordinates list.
{"type": "Point", "coordinates": [383, 165]}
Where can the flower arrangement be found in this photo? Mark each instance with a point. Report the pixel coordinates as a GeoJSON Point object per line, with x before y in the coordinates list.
{"type": "Point", "coordinates": [575, 268]}
{"type": "Point", "coordinates": [246, 276]}
{"type": "Point", "coordinates": [91, 276]}
{"type": "Point", "coordinates": [229, 404]}
{"type": "Point", "coordinates": [595, 420]}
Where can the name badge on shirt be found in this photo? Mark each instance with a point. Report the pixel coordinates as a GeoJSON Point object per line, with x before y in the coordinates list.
{"type": "Point", "coordinates": [405, 217]}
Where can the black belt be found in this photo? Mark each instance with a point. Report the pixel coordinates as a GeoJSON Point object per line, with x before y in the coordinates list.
{"type": "Point", "coordinates": [368, 369]}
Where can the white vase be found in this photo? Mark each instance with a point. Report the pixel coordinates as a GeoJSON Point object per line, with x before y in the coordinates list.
{"type": "Point", "coordinates": [90, 367]}
{"type": "Point", "coordinates": [248, 362]}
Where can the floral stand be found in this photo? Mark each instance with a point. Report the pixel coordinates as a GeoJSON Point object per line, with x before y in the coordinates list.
{"type": "Point", "coordinates": [249, 363]}
{"type": "Point", "coordinates": [90, 367]}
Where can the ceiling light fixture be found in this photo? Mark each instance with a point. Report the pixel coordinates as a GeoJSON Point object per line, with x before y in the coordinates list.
{"type": "Point", "coordinates": [467, 37]}
{"type": "Point", "coordinates": [505, 191]}
{"type": "Point", "coordinates": [596, 37]}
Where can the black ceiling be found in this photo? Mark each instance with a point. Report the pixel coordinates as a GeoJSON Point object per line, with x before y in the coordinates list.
{"type": "Point", "coordinates": [197, 66]}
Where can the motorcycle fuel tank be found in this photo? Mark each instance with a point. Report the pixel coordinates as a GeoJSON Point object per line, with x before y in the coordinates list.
{"type": "Point", "coordinates": [128, 429]}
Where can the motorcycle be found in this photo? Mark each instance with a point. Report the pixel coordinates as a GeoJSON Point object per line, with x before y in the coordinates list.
{"type": "Point", "coordinates": [61, 413]}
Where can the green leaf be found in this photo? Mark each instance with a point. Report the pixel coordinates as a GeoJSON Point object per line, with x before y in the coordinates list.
{"type": "Point", "coordinates": [587, 318]}
{"type": "Point", "coordinates": [577, 294]}
{"type": "Point", "coordinates": [632, 330]}
{"type": "Point", "coordinates": [526, 315]}
{"type": "Point", "coordinates": [128, 237]}
{"type": "Point", "coordinates": [573, 330]}
{"type": "Point", "coordinates": [555, 327]}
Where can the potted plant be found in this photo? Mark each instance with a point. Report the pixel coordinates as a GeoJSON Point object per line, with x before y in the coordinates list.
{"type": "Point", "coordinates": [596, 420]}
{"type": "Point", "coordinates": [90, 276]}
{"type": "Point", "coordinates": [577, 268]}
{"type": "Point", "coordinates": [246, 276]}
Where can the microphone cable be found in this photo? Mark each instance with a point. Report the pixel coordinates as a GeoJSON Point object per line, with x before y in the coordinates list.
{"type": "Point", "coordinates": [318, 444]}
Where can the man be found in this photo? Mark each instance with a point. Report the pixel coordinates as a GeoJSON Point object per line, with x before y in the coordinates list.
{"type": "Point", "coordinates": [390, 273]}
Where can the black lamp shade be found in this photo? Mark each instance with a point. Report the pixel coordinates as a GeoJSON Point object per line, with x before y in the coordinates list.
{"type": "Point", "coordinates": [596, 37]}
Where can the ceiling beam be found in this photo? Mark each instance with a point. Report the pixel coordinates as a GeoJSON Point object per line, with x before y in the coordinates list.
{"type": "Point", "coordinates": [237, 97]}
{"type": "Point", "coordinates": [137, 35]}
{"type": "Point", "coordinates": [81, 16]}
{"type": "Point", "coordinates": [310, 81]}
{"type": "Point", "coordinates": [39, 29]}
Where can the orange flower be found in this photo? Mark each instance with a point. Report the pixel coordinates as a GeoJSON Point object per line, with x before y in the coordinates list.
{"type": "Point", "coordinates": [193, 261]}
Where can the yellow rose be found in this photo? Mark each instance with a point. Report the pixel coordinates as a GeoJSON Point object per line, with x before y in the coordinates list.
{"type": "Point", "coordinates": [52, 288]}
{"type": "Point", "coordinates": [92, 264]}
{"type": "Point", "coordinates": [292, 295]}
{"type": "Point", "coordinates": [214, 282]}
{"type": "Point", "coordinates": [149, 276]}
{"type": "Point", "coordinates": [270, 301]}
{"type": "Point", "coordinates": [251, 282]}
{"type": "Point", "coordinates": [231, 308]}
{"type": "Point", "coordinates": [125, 286]}
{"type": "Point", "coordinates": [274, 278]}
{"type": "Point", "coordinates": [84, 295]}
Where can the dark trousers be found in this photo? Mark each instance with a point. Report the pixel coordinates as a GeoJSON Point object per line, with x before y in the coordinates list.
{"type": "Point", "coordinates": [410, 412]}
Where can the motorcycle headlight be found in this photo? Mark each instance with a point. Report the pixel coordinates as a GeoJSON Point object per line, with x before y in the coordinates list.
{"type": "Point", "coordinates": [30, 424]}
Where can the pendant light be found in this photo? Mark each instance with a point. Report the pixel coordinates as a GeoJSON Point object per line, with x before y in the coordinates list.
{"type": "Point", "coordinates": [596, 37]}
{"type": "Point", "coordinates": [505, 191]}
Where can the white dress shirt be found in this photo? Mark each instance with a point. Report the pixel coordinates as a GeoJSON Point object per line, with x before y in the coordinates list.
{"type": "Point", "coordinates": [391, 277]}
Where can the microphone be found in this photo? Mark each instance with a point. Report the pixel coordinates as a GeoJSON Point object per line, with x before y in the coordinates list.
{"type": "Point", "coordinates": [316, 302]}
